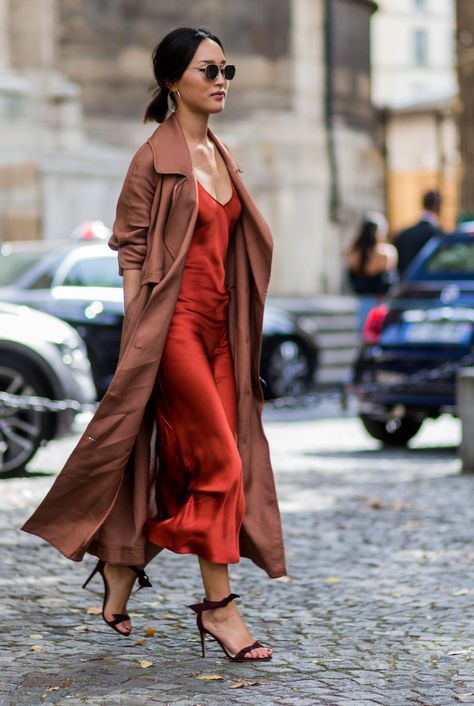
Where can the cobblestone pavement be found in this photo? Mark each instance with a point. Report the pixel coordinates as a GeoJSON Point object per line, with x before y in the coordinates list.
{"type": "Point", "coordinates": [377, 610]}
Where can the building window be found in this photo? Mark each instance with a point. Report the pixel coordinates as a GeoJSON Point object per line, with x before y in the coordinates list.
{"type": "Point", "coordinates": [420, 47]}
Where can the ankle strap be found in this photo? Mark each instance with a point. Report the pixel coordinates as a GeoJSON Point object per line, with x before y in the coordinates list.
{"type": "Point", "coordinates": [143, 580]}
{"type": "Point", "coordinates": [209, 605]}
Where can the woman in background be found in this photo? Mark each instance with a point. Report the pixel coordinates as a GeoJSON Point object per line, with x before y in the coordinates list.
{"type": "Point", "coordinates": [372, 265]}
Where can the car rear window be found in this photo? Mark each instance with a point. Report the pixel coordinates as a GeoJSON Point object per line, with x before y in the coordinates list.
{"type": "Point", "coordinates": [454, 259]}
{"type": "Point", "coordinates": [93, 272]}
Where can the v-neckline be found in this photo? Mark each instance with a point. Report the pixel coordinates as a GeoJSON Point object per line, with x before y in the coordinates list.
{"type": "Point", "coordinates": [214, 198]}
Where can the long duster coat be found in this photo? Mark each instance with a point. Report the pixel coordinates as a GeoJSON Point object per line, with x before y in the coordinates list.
{"type": "Point", "coordinates": [101, 499]}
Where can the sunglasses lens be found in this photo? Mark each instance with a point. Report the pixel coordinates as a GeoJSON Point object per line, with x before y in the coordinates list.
{"type": "Point", "coordinates": [211, 71]}
{"type": "Point", "coordinates": [229, 72]}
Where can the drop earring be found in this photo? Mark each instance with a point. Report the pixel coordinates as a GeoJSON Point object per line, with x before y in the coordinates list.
{"type": "Point", "coordinates": [171, 102]}
{"type": "Point", "coordinates": [172, 99]}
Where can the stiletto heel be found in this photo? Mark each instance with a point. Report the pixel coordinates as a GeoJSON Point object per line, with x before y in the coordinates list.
{"type": "Point", "coordinates": [199, 608]}
{"type": "Point", "coordinates": [94, 571]}
{"type": "Point", "coordinates": [143, 580]}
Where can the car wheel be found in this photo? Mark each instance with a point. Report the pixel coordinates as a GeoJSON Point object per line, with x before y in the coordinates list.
{"type": "Point", "coordinates": [398, 435]}
{"type": "Point", "coordinates": [288, 370]}
{"type": "Point", "coordinates": [21, 430]}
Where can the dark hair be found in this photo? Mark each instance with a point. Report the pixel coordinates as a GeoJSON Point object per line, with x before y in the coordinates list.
{"type": "Point", "coordinates": [365, 242]}
{"type": "Point", "coordinates": [171, 57]}
{"type": "Point", "coordinates": [432, 201]}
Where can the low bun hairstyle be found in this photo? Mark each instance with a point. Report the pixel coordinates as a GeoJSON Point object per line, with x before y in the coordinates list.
{"type": "Point", "coordinates": [171, 57]}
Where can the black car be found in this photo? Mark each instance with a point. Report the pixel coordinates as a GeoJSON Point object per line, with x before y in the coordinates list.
{"type": "Point", "coordinates": [40, 356]}
{"type": "Point", "coordinates": [80, 284]}
{"type": "Point", "coordinates": [405, 371]}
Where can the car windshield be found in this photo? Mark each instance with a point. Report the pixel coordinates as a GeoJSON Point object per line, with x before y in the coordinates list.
{"type": "Point", "coordinates": [93, 272]}
{"type": "Point", "coordinates": [453, 260]}
{"type": "Point", "coordinates": [14, 264]}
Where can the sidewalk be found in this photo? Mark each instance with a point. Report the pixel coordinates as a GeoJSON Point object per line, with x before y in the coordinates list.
{"type": "Point", "coordinates": [378, 608]}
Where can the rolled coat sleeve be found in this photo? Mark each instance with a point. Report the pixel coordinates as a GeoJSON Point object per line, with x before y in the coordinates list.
{"type": "Point", "coordinates": [132, 220]}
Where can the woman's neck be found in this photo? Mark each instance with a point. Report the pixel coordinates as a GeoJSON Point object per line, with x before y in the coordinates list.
{"type": "Point", "coordinates": [194, 127]}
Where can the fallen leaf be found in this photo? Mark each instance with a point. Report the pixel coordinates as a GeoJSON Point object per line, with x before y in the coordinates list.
{"type": "Point", "coordinates": [53, 688]}
{"type": "Point", "coordinates": [241, 684]}
{"type": "Point", "coordinates": [94, 610]}
{"type": "Point", "coordinates": [461, 592]}
{"type": "Point", "coordinates": [67, 682]}
{"type": "Point", "coordinates": [37, 648]}
{"type": "Point", "coordinates": [396, 594]}
{"type": "Point", "coordinates": [285, 579]}
{"type": "Point", "coordinates": [140, 642]}
{"type": "Point", "coordinates": [459, 652]}
{"type": "Point", "coordinates": [375, 504]}
{"type": "Point", "coordinates": [412, 524]}
{"type": "Point", "coordinates": [144, 663]}
{"type": "Point", "coordinates": [149, 632]}
{"type": "Point", "coordinates": [35, 636]}
{"type": "Point", "coordinates": [209, 677]}
{"type": "Point", "coordinates": [332, 579]}
{"type": "Point", "coordinates": [169, 616]}
{"type": "Point", "coordinates": [81, 628]}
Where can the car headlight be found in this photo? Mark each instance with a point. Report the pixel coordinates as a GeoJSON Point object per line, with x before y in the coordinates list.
{"type": "Point", "coordinates": [308, 324]}
{"type": "Point", "coordinates": [74, 353]}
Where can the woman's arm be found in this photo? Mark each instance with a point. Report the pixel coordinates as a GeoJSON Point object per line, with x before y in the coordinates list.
{"type": "Point", "coordinates": [130, 229]}
{"type": "Point", "coordinates": [131, 285]}
{"type": "Point", "coordinates": [383, 259]}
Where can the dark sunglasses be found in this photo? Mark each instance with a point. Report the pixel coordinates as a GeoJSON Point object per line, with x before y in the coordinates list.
{"type": "Point", "coordinates": [212, 70]}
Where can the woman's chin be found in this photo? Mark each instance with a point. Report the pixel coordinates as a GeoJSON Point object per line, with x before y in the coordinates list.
{"type": "Point", "coordinates": [217, 107]}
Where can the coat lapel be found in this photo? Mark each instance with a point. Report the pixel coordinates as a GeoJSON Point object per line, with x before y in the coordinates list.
{"type": "Point", "coordinates": [252, 227]}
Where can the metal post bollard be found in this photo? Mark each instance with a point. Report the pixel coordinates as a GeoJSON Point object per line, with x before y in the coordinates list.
{"type": "Point", "coordinates": [465, 410]}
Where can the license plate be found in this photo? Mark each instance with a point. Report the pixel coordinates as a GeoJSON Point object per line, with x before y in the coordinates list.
{"type": "Point", "coordinates": [443, 332]}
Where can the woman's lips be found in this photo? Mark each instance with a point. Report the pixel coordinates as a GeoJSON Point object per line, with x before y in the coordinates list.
{"type": "Point", "coordinates": [218, 96]}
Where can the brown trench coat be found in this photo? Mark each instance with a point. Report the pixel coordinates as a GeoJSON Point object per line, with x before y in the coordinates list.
{"type": "Point", "coordinates": [104, 494]}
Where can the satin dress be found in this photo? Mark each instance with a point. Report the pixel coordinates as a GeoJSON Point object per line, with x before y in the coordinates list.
{"type": "Point", "coordinates": [199, 492]}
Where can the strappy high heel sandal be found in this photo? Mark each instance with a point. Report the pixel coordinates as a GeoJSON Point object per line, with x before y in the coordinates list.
{"type": "Point", "coordinates": [143, 580]}
{"type": "Point", "coordinates": [199, 608]}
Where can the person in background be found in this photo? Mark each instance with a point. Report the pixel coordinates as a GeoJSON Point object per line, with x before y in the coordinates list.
{"type": "Point", "coordinates": [410, 241]}
{"type": "Point", "coordinates": [371, 264]}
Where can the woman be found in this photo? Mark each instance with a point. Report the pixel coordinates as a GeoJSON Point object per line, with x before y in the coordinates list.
{"type": "Point", "coordinates": [175, 456]}
{"type": "Point", "coordinates": [372, 264]}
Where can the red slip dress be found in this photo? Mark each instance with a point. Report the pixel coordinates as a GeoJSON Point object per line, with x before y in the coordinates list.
{"type": "Point", "coordinates": [199, 491]}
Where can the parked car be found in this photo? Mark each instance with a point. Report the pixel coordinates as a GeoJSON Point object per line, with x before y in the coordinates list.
{"type": "Point", "coordinates": [428, 323]}
{"type": "Point", "coordinates": [80, 284]}
{"type": "Point", "coordinates": [42, 356]}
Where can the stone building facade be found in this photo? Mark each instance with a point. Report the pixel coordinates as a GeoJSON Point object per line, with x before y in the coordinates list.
{"type": "Point", "coordinates": [465, 66]}
{"type": "Point", "coordinates": [73, 88]}
{"type": "Point", "coordinates": [414, 85]}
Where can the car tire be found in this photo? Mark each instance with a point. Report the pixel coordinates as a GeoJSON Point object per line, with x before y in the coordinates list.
{"type": "Point", "coordinates": [21, 431]}
{"type": "Point", "coordinates": [399, 436]}
{"type": "Point", "coordinates": [288, 370]}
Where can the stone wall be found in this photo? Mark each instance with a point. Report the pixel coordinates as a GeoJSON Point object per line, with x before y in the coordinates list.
{"type": "Point", "coordinates": [85, 67]}
{"type": "Point", "coordinates": [106, 45]}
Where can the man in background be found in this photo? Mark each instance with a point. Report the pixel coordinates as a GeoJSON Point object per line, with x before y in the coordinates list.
{"type": "Point", "coordinates": [410, 241]}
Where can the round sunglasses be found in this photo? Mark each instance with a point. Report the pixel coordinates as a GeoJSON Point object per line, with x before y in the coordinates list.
{"type": "Point", "coordinates": [212, 70]}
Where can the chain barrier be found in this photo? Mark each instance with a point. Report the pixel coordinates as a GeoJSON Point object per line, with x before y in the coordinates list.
{"type": "Point", "coordinates": [44, 404]}
{"type": "Point", "coordinates": [440, 372]}
{"type": "Point", "coordinates": [425, 375]}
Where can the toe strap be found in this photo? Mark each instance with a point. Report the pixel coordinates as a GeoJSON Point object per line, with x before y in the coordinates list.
{"type": "Point", "coordinates": [119, 618]}
{"type": "Point", "coordinates": [244, 650]}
